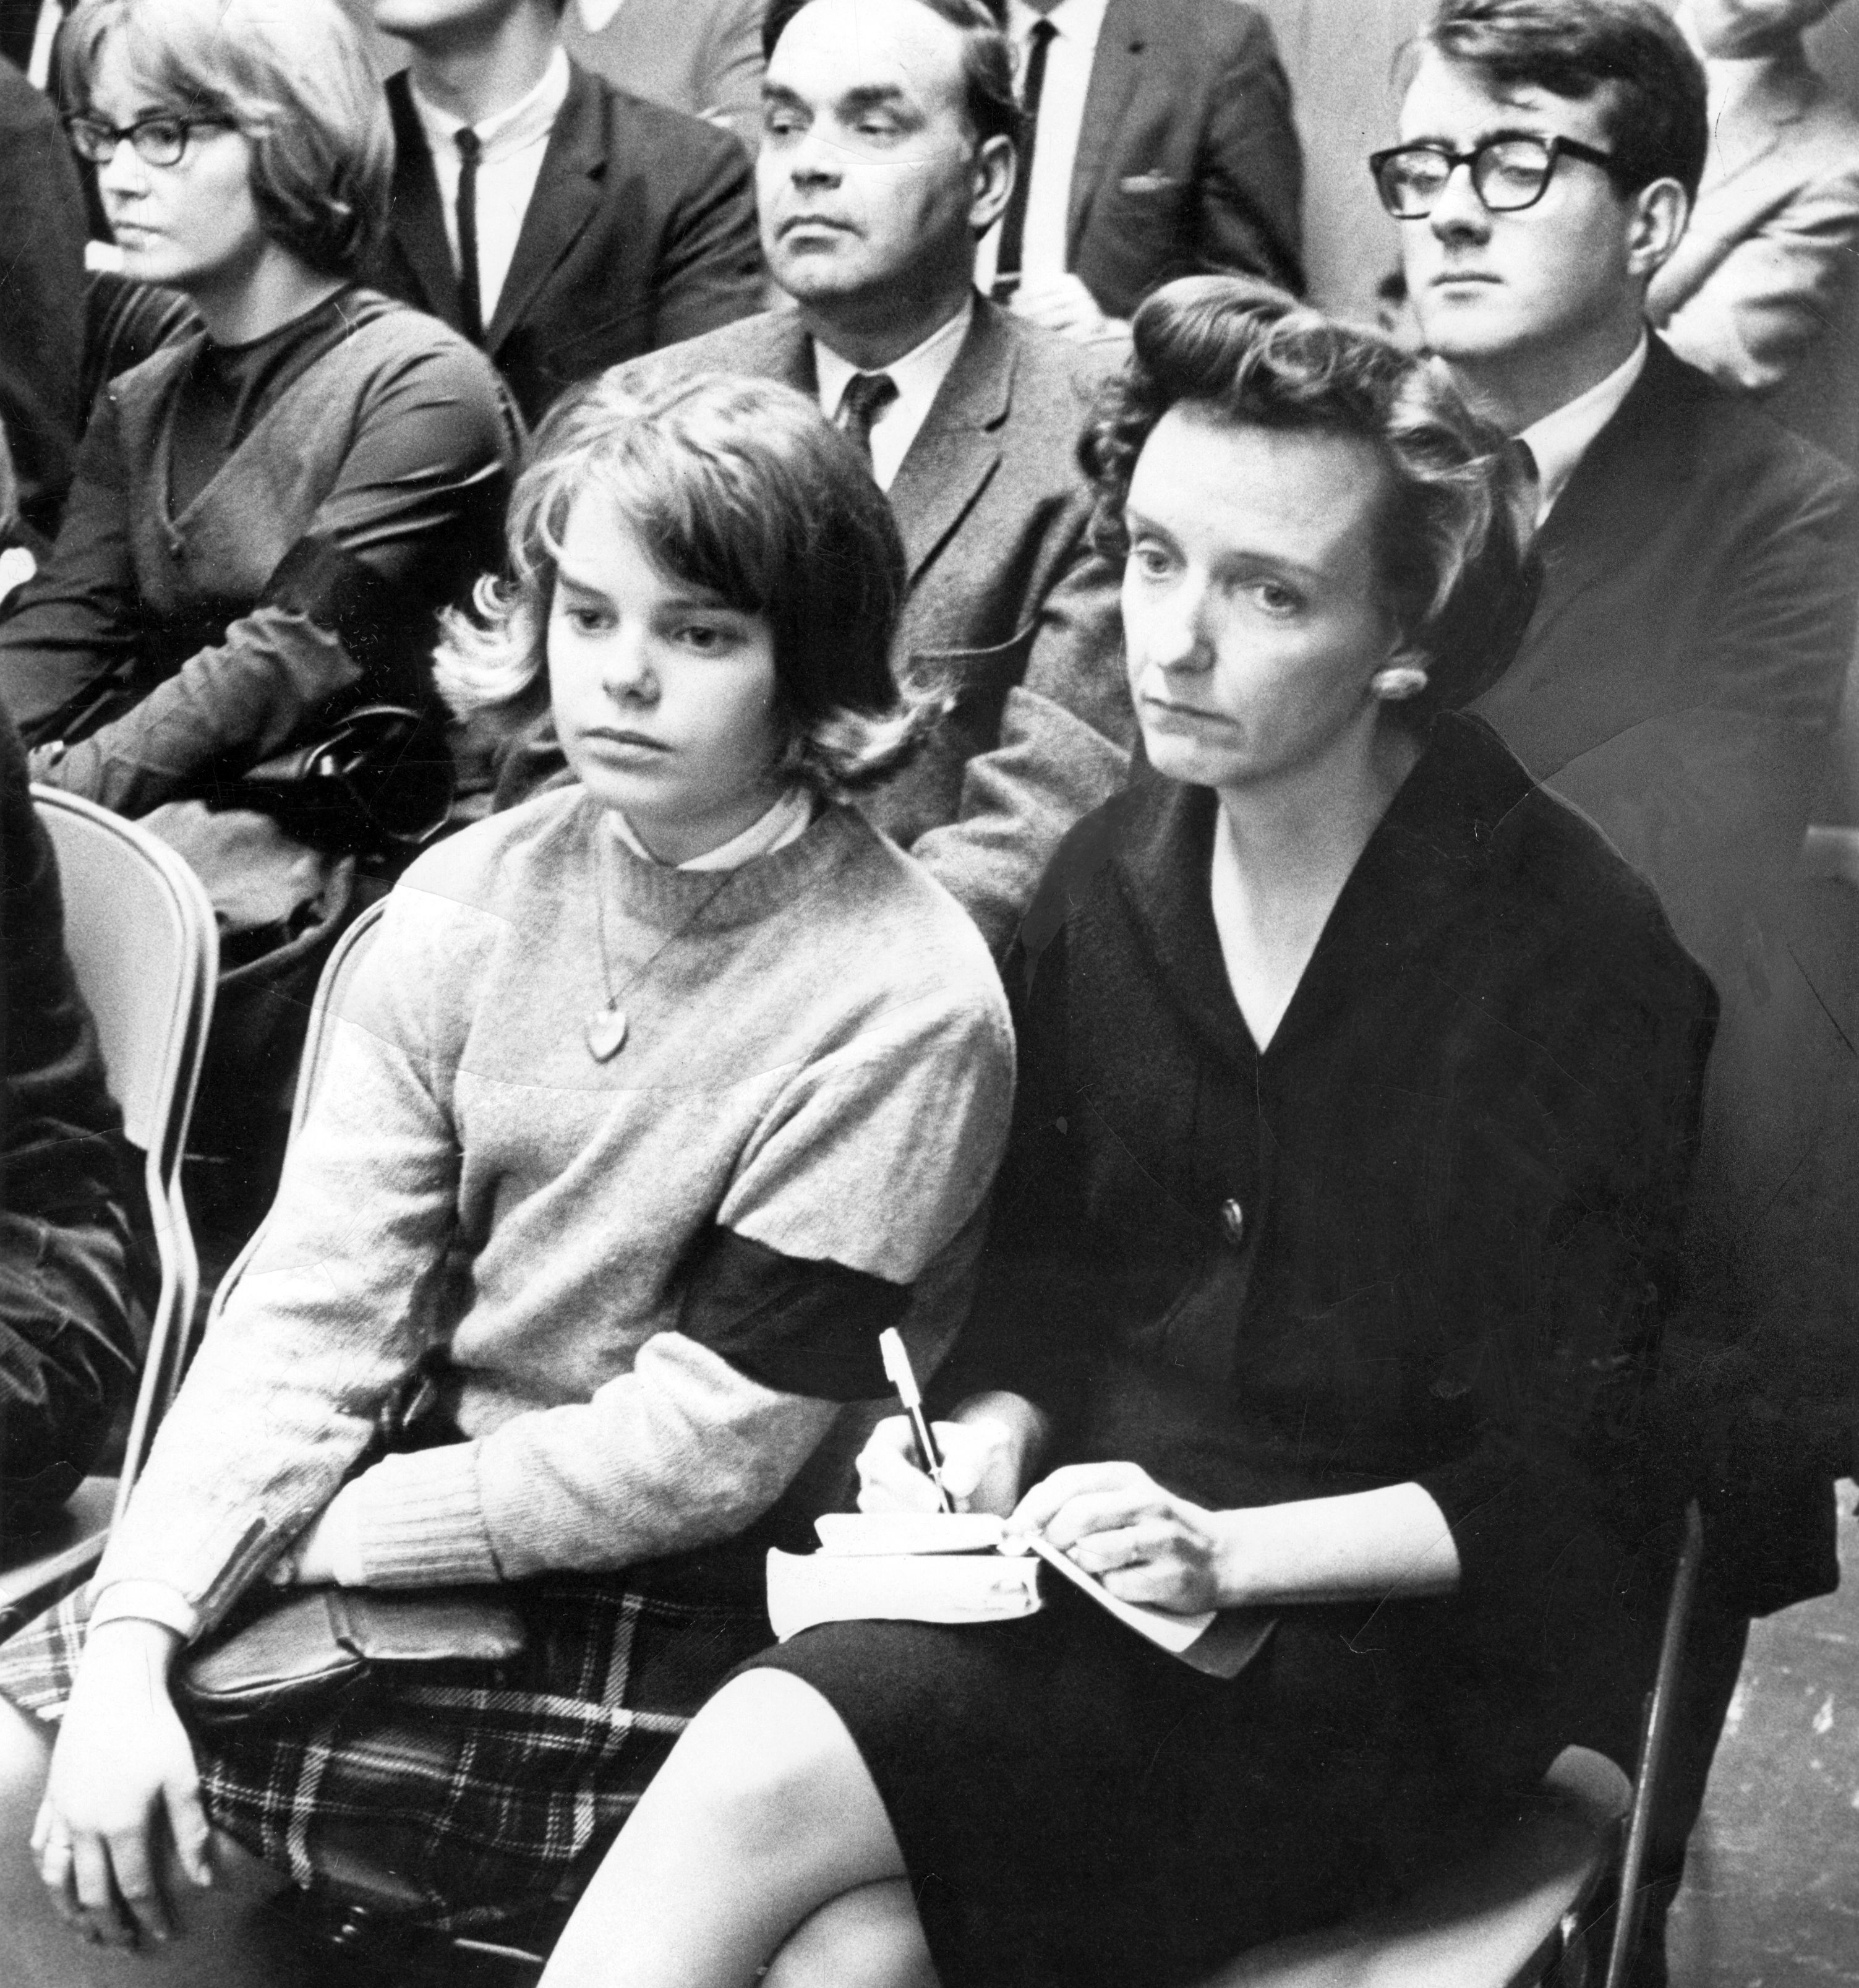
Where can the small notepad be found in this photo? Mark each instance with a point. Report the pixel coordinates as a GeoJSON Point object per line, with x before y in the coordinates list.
{"type": "Point", "coordinates": [956, 1567]}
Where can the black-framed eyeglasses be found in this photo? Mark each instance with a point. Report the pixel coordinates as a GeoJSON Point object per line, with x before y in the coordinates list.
{"type": "Point", "coordinates": [159, 140]}
{"type": "Point", "coordinates": [1507, 174]}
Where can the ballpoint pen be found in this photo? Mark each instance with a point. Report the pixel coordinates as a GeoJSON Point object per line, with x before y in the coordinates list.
{"type": "Point", "coordinates": [898, 1371]}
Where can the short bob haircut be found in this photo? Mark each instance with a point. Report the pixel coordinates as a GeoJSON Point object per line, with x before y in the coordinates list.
{"type": "Point", "coordinates": [1630, 53]}
{"type": "Point", "coordinates": [294, 76]}
{"type": "Point", "coordinates": [738, 487]}
{"type": "Point", "coordinates": [989, 99]}
{"type": "Point", "coordinates": [1454, 529]}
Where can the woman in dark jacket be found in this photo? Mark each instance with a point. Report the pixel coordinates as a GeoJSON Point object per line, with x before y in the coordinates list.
{"type": "Point", "coordinates": [1359, 1087]}
{"type": "Point", "coordinates": [267, 513]}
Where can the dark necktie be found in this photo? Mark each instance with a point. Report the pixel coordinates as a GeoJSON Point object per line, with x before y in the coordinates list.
{"type": "Point", "coordinates": [1013, 228]}
{"type": "Point", "coordinates": [865, 394]}
{"type": "Point", "coordinates": [471, 307]}
{"type": "Point", "coordinates": [1523, 460]}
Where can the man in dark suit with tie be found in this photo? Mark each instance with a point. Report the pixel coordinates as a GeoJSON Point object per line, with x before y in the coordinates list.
{"type": "Point", "coordinates": [559, 223]}
{"type": "Point", "coordinates": [1160, 144]}
{"type": "Point", "coordinates": [887, 150]}
{"type": "Point", "coordinates": [1677, 683]}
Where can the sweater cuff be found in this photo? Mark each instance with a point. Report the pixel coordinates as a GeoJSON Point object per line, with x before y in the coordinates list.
{"type": "Point", "coordinates": [419, 1522]}
{"type": "Point", "coordinates": [145, 1602]}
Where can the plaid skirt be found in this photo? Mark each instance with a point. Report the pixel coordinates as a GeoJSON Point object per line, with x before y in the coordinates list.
{"type": "Point", "coordinates": [492, 1794]}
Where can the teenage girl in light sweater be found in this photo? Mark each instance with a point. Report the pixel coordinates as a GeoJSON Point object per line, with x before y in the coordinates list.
{"type": "Point", "coordinates": [656, 1100]}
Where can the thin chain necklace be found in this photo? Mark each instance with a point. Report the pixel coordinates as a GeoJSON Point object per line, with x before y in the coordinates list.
{"type": "Point", "coordinates": [606, 1029]}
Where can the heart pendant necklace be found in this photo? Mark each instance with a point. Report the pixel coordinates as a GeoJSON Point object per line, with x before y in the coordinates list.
{"type": "Point", "coordinates": [605, 1028]}
{"type": "Point", "coordinates": [606, 1033]}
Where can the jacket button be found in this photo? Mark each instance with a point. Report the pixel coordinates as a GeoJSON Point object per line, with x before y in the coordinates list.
{"type": "Point", "coordinates": [1232, 1222]}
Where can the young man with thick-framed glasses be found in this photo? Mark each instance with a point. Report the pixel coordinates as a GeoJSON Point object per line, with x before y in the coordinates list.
{"type": "Point", "coordinates": [1677, 683]}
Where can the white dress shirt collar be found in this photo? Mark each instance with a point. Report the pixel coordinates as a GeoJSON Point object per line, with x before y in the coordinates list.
{"type": "Point", "coordinates": [1561, 438]}
{"type": "Point", "coordinates": [786, 821]}
{"type": "Point", "coordinates": [918, 378]}
{"type": "Point", "coordinates": [532, 116]}
{"type": "Point", "coordinates": [515, 142]}
{"type": "Point", "coordinates": [1077, 26]}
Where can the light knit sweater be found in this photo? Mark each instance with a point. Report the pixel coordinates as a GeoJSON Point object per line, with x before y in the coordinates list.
{"type": "Point", "coordinates": [819, 1059]}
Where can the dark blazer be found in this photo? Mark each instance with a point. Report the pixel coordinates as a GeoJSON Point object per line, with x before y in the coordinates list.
{"type": "Point", "coordinates": [1677, 683]}
{"type": "Point", "coordinates": [641, 231]}
{"type": "Point", "coordinates": [1007, 605]}
{"type": "Point", "coordinates": [1188, 161]}
{"type": "Point", "coordinates": [42, 298]}
{"type": "Point", "coordinates": [1427, 1233]}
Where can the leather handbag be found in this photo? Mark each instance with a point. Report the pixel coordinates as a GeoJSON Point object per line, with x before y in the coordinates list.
{"type": "Point", "coordinates": [306, 1647]}
{"type": "Point", "coordinates": [376, 780]}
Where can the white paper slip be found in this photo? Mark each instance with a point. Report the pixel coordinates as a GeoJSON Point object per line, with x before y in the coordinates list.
{"type": "Point", "coordinates": [849, 1533]}
{"type": "Point", "coordinates": [804, 1589]}
{"type": "Point", "coordinates": [1162, 1626]}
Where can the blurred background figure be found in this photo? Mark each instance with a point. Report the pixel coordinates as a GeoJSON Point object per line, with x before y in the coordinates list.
{"type": "Point", "coordinates": [1158, 142]}
{"type": "Point", "coordinates": [67, 1352]}
{"type": "Point", "coordinates": [561, 225]}
{"type": "Point", "coordinates": [1761, 277]}
{"type": "Point", "coordinates": [705, 60]}
{"type": "Point", "coordinates": [42, 302]}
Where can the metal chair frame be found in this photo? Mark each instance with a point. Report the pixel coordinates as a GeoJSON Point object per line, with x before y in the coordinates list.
{"type": "Point", "coordinates": [153, 1039]}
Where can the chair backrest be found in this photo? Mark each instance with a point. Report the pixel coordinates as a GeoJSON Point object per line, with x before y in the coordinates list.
{"type": "Point", "coordinates": [142, 941]}
{"type": "Point", "coordinates": [338, 974]}
{"type": "Point", "coordinates": [139, 931]}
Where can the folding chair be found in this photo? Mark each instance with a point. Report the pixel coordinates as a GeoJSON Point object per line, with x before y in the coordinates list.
{"type": "Point", "coordinates": [338, 971]}
{"type": "Point", "coordinates": [143, 943]}
{"type": "Point", "coordinates": [1517, 1915]}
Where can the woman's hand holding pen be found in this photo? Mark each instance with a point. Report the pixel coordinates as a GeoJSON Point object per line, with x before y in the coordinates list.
{"type": "Point", "coordinates": [989, 1448]}
{"type": "Point", "coordinates": [981, 1468]}
{"type": "Point", "coordinates": [1143, 1543]}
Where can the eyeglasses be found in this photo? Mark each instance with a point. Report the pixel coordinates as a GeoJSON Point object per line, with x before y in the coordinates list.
{"type": "Point", "coordinates": [1507, 174]}
{"type": "Point", "coordinates": [160, 140]}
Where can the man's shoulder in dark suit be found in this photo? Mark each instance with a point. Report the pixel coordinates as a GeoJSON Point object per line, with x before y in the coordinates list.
{"type": "Point", "coordinates": [641, 233]}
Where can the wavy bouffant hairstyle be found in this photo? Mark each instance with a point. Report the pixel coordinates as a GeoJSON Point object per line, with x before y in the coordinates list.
{"type": "Point", "coordinates": [739, 487]}
{"type": "Point", "coordinates": [1454, 529]}
{"type": "Point", "coordinates": [294, 76]}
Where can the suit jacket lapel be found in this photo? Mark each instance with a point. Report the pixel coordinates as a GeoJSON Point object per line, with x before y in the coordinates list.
{"type": "Point", "coordinates": [417, 230]}
{"type": "Point", "coordinates": [1114, 71]}
{"type": "Point", "coordinates": [1619, 495]}
{"type": "Point", "coordinates": [958, 448]}
{"type": "Point", "coordinates": [567, 197]}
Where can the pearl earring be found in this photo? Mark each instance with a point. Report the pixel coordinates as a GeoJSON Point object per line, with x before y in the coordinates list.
{"type": "Point", "coordinates": [1398, 681]}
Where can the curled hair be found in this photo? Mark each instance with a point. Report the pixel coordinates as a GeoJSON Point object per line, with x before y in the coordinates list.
{"type": "Point", "coordinates": [294, 76]}
{"type": "Point", "coordinates": [989, 99]}
{"type": "Point", "coordinates": [1629, 52]}
{"type": "Point", "coordinates": [739, 487]}
{"type": "Point", "coordinates": [1452, 530]}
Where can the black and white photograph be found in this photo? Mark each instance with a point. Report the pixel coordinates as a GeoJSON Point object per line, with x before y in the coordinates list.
{"type": "Point", "coordinates": [929, 993]}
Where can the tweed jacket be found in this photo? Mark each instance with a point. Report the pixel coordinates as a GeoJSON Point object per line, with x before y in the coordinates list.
{"type": "Point", "coordinates": [1188, 160]}
{"type": "Point", "coordinates": [1677, 683]}
{"type": "Point", "coordinates": [1006, 604]}
{"type": "Point", "coordinates": [641, 231]}
{"type": "Point", "coordinates": [1761, 273]}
